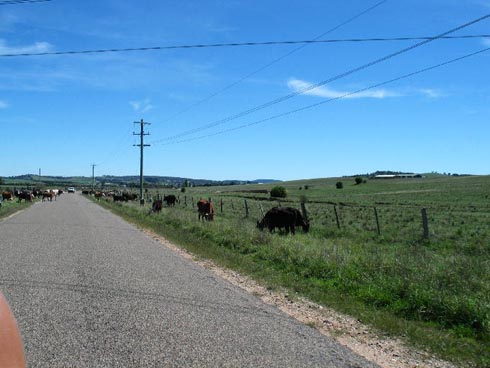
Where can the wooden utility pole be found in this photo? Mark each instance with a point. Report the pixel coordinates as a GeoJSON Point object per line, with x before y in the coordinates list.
{"type": "Point", "coordinates": [141, 145]}
{"type": "Point", "coordinates": [93, 177]}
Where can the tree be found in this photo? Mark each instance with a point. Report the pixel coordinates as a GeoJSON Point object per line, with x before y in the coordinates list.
{"type": "Point", "coordinates": [358, 180]}
{"type": "Point", "coordinates": [279, 192]}
{"type": "Point", "coordinates": [339, 185]}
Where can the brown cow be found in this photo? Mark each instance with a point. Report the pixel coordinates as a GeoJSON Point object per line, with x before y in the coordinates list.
{"type": "Point", "coordinates": [7, 195]}
{"type": "Point", "coordinates": [49, 195]}
{"type": "Point", "coordinates": [205, 210]}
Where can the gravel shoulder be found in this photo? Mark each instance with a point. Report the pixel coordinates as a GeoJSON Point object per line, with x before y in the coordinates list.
{"type": "Point", "coordinates": [363, 340]}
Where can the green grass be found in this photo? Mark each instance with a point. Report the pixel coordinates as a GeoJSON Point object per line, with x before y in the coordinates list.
{"type": "Point", "coordinates": [435, 292]}
{"type": "Point", "coordinates": [10, 207]}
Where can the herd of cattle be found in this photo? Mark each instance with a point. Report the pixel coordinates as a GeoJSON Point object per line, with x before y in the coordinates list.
{"type": "Point", "coordinates": [286, 218]}
{"type": "Point", "coordinates": [30, 195]}
{"type": "Point", "coordinates": [282, 218]}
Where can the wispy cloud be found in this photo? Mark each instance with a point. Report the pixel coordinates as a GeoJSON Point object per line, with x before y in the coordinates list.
{"type": "Point", "coordinates": [35, 48]}
{"type": "Point", "coordinates": [3, 104]}
{"type": "Point", "coordinates": [327, 92]}
{"type": "Point", "coordinates": [141, 106]}
{"type": "Point", "coordinates": [431, 92]}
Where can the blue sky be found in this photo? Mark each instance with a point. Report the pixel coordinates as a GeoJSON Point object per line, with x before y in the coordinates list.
{"type": "Point", "coordinates": [62, 113]}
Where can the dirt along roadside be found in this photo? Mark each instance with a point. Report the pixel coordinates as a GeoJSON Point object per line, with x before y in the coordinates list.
{"type": "Point", "coordinates": [363, 340]}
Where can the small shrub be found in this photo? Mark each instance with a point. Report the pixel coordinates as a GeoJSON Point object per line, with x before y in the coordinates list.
{"type": "Point", "coordinates": [358, 180]}
{"type": "Point", "coordinates": [339, 185]}
{"type": "Point", "coordinates": [279, 192]}
{"type": "Point", "coordinates": [182, 189]}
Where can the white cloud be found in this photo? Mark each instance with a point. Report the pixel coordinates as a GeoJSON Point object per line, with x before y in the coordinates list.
{"type": "Point", "coordinates": [141, 106]}
{"type": "Point", "coordinates": [323, 91]}
{"type": "Point", "coordinates": [29, 49]}
{"type": "Point", "coordinates": [430, 92]}
{"type": "Point", "coordinates": [3, 104]}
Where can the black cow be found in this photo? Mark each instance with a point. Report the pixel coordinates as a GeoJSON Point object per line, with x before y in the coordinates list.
{"type": "Point", "coordinates": [170, 199]}
{"type": "Point", "coordinates": [129, 196]}
{"type": "Point", "coordinates": [156, 206]}
{"type": "Point", "coordinates": [23, 195]}
{"type": "Point", "coordinates": [119, 198]}
{"type": "Point", "coordinates": [283, 217]}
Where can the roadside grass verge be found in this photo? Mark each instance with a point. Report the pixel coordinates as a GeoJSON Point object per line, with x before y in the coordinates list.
{"type": "Point", "coordinates": [9, 207]}
{"type": "Point", "coordinates": [431, 294]}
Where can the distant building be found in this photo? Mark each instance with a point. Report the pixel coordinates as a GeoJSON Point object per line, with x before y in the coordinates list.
{"type": "Point", "coordinates": [397, 176]}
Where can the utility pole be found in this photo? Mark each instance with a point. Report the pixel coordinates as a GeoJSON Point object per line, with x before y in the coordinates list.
{"type": "Point", "coordinates": [141, 146]}
{"type": "Point", "coordinates": [93, 177]}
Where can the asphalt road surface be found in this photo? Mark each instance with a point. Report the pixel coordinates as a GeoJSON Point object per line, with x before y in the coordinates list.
{"type": "Point", "coordinates": [90, 290]}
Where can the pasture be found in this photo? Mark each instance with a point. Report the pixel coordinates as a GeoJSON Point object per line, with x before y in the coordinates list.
{"type": "Point", "coordinates": [434, 291]}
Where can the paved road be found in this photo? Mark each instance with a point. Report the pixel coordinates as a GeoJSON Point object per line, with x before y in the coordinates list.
{"type": "Point", "coordinates": [90, 290]}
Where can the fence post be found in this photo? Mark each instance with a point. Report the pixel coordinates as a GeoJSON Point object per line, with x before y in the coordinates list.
{"type": "Point", "coordinates": [304, 211]}
{"type": "Point", "coordinates": [377, 220]}
{"type": "Point", "coordinates": [425, 223]}
{"type": "Point", "coordinates": [193, 204]}
{"type": "Point", "coordinates": [336, 216]}
{"type": "Point", "coordinates": [246, 208]}
{"type": "Point", "coordinates": [185, 201]}
{"type": "Point", "coordinates": [221, 205]}
{"type": "Point", "coordinates": [232, 205]}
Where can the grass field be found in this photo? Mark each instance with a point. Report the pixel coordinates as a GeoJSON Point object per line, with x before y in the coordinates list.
{"type": "Point", "coordinates": [435, 292]}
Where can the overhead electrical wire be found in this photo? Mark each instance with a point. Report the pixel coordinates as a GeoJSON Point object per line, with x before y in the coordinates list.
{"type": "Point", "coordinates": [275, 61]}
{"type": "Point", "coordinates": [238, 44]}
{"type": "Point", "coordinates": [322, 83]}
{"type": "Point", "coordinates": [420, 71]}
{"type": "Point", "coordinates": [14, 2]}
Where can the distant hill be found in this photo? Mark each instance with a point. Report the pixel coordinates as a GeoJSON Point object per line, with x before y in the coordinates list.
{"type": "Point", "coordinates": [131, 180]}
{"type": "Point", "coordinates": [264, 181]}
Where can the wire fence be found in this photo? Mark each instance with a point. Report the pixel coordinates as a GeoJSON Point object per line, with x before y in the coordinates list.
{"type": "Point", "coordinates": [388, 221]}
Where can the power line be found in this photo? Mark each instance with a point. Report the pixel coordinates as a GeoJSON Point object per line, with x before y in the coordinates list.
{"type": "Point", "coordinates": [239, 44]}
{"type": "Point", "coordinates": [322, 83]}
{"type": "Point", "coordinates": [14, 2]}
{"type": "Point", "coordinates": [282, 57]}
{"type": "Point", "coordinates": [330, 99]}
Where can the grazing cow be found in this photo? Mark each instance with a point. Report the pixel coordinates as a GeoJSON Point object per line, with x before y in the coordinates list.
{"type": "Point", "coordinates": [283, 217]}
{"type": "Point", "coordinates": [98, 195]}
{"type": "Point", "coordinates": [170, 199]}
{"type": "Point", "coordinates": [205, 210]}
{"type": "Point", "coordinates": [156, 206]}
{"type": "Point", "coordinates": [6, 196]}
{"type": "Point", "coordinates": [119, 198]}
{"type": "Point", "coordinates": [129, 196]}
